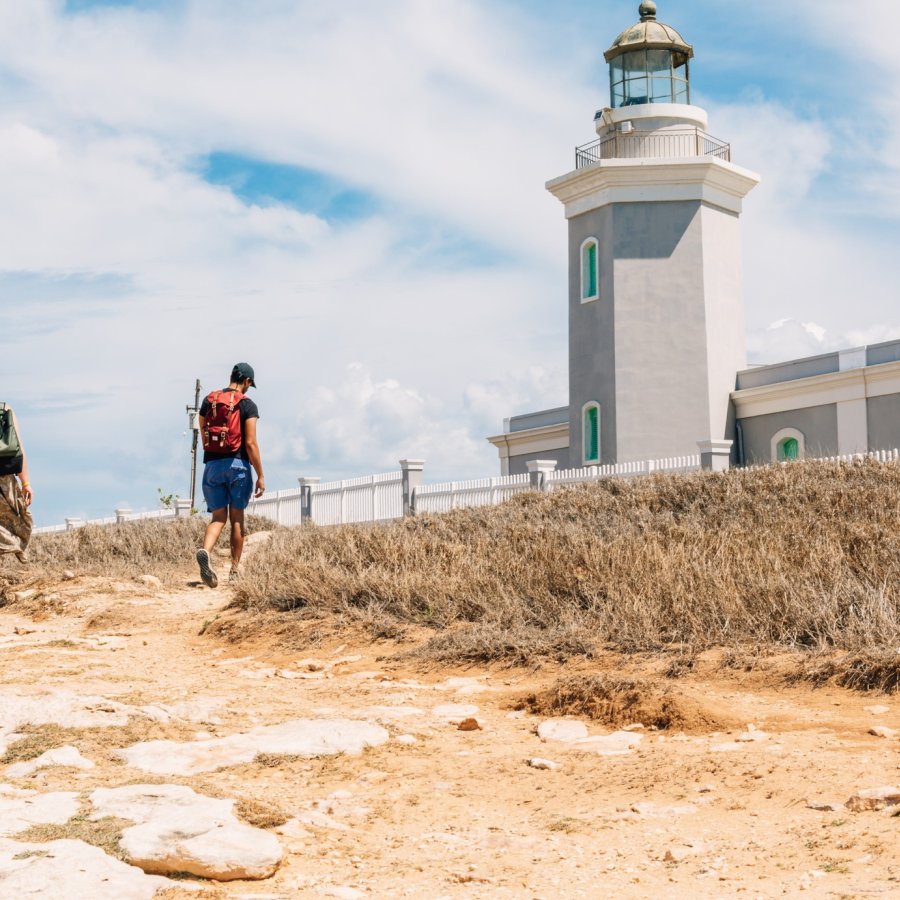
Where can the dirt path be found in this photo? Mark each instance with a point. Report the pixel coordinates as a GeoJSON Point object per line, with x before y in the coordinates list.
{"type": "Point", "coordinates": [441, 812]}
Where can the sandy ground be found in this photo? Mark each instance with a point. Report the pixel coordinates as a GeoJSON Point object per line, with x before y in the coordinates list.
{"type": "Point", "coordinates": [450, 813]}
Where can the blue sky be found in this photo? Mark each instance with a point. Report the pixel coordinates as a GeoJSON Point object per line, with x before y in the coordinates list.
{"type": "Point", "coordinates": [350, 196]}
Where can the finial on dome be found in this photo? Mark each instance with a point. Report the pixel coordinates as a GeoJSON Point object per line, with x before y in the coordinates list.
{"type": "Point", "coordinates": [647, 10]}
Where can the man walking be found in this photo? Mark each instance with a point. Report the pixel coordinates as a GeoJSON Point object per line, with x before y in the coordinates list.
{"type": "Point", "coordinates": [228, 427]}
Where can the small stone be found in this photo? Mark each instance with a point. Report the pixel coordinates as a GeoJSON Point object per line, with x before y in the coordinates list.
{"type": "Point", "coordinates": [883, 731]}
{"type": "Point", "coordinates": [150, 581]}
{"type": "Point", "coordinates": [537, 763]}
{"type": "Point", "coordinates": [469, 724]}
{"type": "Point", "coordinates": [407, 739]}
{"type": "Point", "coordinates": [68, 575]}
{"type": "Point", "coordinates": [877, 710]}
{"type": "Point", "coordinates": [824, 807]}
{"type": "Point", "coordinates": [751, 736]}
{"type": "Point", "coordinates": [874, 799]}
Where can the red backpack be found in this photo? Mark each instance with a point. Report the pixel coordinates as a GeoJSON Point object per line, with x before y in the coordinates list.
{"type": "Point", "coordinates": [222, 433]}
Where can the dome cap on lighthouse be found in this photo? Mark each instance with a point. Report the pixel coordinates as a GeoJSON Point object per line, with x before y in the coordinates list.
{"type": "Point", "coordinates": [648, 34]}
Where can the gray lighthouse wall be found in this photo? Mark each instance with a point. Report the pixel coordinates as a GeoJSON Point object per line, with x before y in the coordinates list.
{"type": "Point", "coordinates": [592, 337]}
{"type": "Point", "coordinates": [660, 347]}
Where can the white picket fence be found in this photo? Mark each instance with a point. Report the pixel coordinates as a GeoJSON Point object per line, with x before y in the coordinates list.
{"type": "Point", "coordinates": [670, 465]}
{"type": "Point", "coordinates": [371, 498]}
{"type": "Point", "coordinates": [284, 507]}
{"type": "Point", "coordinates": [379, 498]}
{"type": "Point", "coordinates": [70, 524]}
{"type": "Point", "coordinates": [437, 498]}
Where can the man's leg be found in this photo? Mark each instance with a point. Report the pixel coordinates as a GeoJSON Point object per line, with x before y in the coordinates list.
{"type": "Point", "coordinates": [237, 536]}
{"type": "Point", "coordinates": [213, 530]}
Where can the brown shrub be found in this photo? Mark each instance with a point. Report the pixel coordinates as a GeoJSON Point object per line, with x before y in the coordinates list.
{"type": "Point", "coordinates": [804, 556]}
{"type": "Point", "coordinates": [620, 701]}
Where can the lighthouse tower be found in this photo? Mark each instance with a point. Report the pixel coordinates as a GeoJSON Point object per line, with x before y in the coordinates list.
{"type": "Point", "coordinates": [656, 324]}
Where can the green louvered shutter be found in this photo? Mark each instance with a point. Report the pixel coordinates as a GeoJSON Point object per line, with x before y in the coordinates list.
{"type": "Point", "coordinates": [592, 434]}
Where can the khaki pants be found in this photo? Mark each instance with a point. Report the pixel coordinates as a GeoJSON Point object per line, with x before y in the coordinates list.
{"type": "Point", "coordinates": [15, 519]}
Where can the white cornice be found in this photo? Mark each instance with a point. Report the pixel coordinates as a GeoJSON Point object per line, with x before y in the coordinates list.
{"type": "Point", "coordinates": [818, 390]}
{"type": "Point", "coordinates": [532, 440]}
{"type": "Point", "coordinates": [707, 179]}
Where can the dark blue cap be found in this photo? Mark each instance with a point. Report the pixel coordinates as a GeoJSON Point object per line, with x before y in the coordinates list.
{"type": "Point", "coordinates": [242, 371]}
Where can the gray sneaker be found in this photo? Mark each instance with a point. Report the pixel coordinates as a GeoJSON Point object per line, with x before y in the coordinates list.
{"type": "Point", "coordinates": [207, 574]}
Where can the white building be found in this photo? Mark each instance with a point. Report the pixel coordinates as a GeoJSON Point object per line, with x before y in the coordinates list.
{"type": "Point", "coordinates": [657, 355]}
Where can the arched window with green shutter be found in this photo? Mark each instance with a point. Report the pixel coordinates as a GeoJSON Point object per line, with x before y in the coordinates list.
{"type": "Point", "coordinates": [590, 271]}
{"type": "Point", "coordinates": [788, 450]}
{"type": "Point", "coordinates": [788, 444]}
{"type": "Point", "coordinates": [591, 430]}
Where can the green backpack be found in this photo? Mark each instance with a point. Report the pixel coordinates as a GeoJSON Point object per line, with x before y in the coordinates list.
{"type": "Point", "coordinates": [9, 439]}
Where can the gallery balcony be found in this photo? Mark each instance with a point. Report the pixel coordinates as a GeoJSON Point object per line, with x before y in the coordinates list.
{"type": "Point", "coordinates": [668, 143]}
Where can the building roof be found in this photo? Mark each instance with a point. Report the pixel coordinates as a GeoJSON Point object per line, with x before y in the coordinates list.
{"type": "Point", "coordinates": [648, 34]}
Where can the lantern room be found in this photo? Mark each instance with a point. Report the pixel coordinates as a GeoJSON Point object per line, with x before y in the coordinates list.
{"type": "Point", "coordinates": [649, 63]}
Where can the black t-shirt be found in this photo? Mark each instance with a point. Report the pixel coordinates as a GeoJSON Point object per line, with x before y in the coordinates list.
{"type": "Point", "coordinates": [247, 409]}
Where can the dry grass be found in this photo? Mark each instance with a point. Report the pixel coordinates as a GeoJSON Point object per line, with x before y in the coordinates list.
{"type": "Point", "coordinates": [800, 556]}
{"type": "Point", "coordinates": [103, 833]}
{"type": "Point", "coordinates": [161, 548]}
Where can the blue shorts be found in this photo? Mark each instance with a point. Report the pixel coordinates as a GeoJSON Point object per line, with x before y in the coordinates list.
{"type": "Point", "coordinates": [227, 482]}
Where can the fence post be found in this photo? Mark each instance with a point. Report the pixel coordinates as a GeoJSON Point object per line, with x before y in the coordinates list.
{"type": "Point", "coordinates": [72, 524]}
{"type": "Point", "coordinates": [413, 473]}
{"type": "Point", "coordinates": [307, 488]}
{"type": "Point", "coordinates": [122, 515]}
{"type": "Point", "coordinates": [715, 456]}
{"type": "Point", "coordinates": [182, 507]}
{"type": "Point", "coordinates": [538, 472]}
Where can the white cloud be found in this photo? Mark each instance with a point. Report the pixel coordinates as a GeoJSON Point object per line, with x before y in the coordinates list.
{"type": "Point", "coordinates": [451, 296]}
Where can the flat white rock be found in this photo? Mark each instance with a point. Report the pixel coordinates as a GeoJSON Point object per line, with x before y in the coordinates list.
{"type": "Point", "coordinates": [877, 710]}
{"type": "Point", "coordinates": [454, 713]}
{"type": "Point", "coordinates": [566, 731]}
{"type": "Point", "coordinates": [22, 809]}
{"type": "Point", "coordinates": [61, 708]}
{"type": "Point", "coordinates": [177, 830]}
{"type": "Point", "coordinates": [299, 737]}
{"type": "Point", "coordinates": [68, 757]}
{"type": "Point", "coordinates": [616, 744]}
{"type": "Point", "coordinates": [537, 763]}
{"type": "Point", "coordinates": [655, 811]}
{"type": "Point", "coordinates": [71, 869]}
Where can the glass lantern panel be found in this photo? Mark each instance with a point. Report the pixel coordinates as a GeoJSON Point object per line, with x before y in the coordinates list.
{"type": "Point", "coordinates": [635, 63]}
{"type": "Point", "coordinates": [682, 94]}
{"type": "Point", "coordinates": [636, 91]}
{"type": "Point", "coordinates": [680, 64]}
{"type": "Point", "coordinates": [616, 70]}
{"type": "Point", "coordinates": [662, 90]}
{"type": "Point", "coordinates": [618, 95]}
{"type": "Point", "coordinates": [659, 61]}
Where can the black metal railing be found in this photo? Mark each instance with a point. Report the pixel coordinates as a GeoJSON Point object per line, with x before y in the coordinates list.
{"type": "Point", "coordinates": [652, 145]}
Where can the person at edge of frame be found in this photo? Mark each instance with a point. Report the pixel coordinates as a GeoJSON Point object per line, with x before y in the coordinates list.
{"type": "Point", "coordinates": [16, 495]}
{"type": "Point", "coordinates": [227, 476]}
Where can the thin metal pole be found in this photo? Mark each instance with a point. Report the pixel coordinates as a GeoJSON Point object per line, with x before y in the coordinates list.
{"type": "Point", "coordinates": [193, 412]}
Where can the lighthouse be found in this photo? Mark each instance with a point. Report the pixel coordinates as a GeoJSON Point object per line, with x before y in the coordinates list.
{"type": "Point", "coordinates": [656, 322]}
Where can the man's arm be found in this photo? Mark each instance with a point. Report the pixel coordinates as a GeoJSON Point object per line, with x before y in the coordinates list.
{"type": "Point", "coordinates": [27, 492]}
{"type": "Point", "coordinates": [252, 446]}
